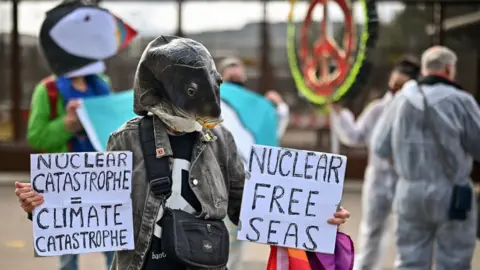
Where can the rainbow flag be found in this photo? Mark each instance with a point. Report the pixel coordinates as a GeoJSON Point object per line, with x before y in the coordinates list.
{"type": "Point", "coordinates": [294, 259]}
{"type": "Point", "coordinates": [287, 259]}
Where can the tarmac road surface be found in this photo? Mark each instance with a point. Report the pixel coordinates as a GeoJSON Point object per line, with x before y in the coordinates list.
{"type": "Point", "coordinates": [16, 250]}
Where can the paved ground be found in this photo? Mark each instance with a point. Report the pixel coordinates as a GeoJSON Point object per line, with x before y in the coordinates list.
{"type": "Point", "coordinates": [16, 251]}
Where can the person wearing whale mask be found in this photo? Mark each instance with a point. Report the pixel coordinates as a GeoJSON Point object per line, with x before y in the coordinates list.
{"type": "Point", "coordinates": [75, 37]}
{"type": "Point", "coordinates": [380, 177]}
{"type": "Point", "coordinates": [187, 173]}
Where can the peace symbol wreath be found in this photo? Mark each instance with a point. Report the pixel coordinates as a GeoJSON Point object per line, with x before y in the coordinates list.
{"type": "Point", "coordinates": [310, 68]}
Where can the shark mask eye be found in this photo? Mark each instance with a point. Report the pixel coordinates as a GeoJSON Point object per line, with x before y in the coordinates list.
{"type": "Point", "coordinates": [191, 91]}
{"type": "Point", "coordinates": [86, 18]}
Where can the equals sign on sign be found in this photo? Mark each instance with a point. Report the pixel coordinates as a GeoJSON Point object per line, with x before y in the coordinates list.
{"type": "Point", "coordinates": [76, 200]}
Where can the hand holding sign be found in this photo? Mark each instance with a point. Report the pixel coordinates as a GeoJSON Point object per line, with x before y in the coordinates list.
{"type": "Point", "coordinates": [29, 198]}
{"type": "Point", "coordinates": [339, 217]}
{"type": "Point", "coordinates": [290, 196]}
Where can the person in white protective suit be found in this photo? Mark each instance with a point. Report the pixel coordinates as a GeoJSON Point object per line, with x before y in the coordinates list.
{"type": "Point", "coordinates": [233, 71]}
{"type": "Point", "coordinates": [432, 148]}
{"type": "Point", "coordinates": [380, 177]}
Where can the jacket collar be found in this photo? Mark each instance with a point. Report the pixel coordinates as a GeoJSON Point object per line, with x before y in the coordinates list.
{"type": "Point", "coordinates": [162, 143]}
{"type": "Point", "coordinates": [434, 79]}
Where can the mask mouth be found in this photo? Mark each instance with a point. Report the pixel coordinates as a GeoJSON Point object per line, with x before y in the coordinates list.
{"type": "Point", "coordinates": [209, 123]}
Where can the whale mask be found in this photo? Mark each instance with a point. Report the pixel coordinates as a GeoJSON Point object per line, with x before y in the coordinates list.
{"type": "Point", "coordinates": [177, 77]}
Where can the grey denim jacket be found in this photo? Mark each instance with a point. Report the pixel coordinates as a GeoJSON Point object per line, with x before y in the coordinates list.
{"type": "Point", "coordinates": [215, 164]}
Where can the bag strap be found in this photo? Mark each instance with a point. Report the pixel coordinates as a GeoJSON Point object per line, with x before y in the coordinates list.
{"type": "Point", "coordinates": [444, 152]}
{"type": "Point", "coordinates": [52, 93]}
{"type": "Point", "coordinates": [157, 168]}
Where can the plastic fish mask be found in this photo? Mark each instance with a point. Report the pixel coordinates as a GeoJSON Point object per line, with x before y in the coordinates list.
{"type": "Point", "coordinates": [76, 37]}
{"type": "Point", "coordinates": [179, 72]}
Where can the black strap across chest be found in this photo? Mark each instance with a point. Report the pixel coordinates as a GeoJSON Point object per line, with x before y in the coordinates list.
{"type": "Point", "coordinates": [158, 169]}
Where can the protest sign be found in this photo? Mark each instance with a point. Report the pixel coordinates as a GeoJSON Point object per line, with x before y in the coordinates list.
{"type": "Point", "coordinates": [87, 205]}
{"type": "Point", "coordinates": [102, 115]}
{"type": "Point", "coordinates": [289, 197]}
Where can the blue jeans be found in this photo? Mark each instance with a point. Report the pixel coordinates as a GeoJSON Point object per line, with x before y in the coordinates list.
{"type": "Point", "coordinates": [70, 261]}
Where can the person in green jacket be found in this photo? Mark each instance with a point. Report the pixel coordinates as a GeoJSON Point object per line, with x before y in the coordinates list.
{"type": "Point", "coordinates": [58, 129]}
{"type": "Point", "coordinates": [53, 125]}
{"type": "Point", "coordinates": [76, 36]}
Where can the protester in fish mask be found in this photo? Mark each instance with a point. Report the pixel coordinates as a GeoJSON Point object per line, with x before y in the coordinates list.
{"type": "Point", "coordinates": [187, 173]}
{"type": "Point", "coordinates": [430, 132]}
{"type": "Point", "coordinates": [380, 177]}
{"type": "Point", "coordinates": [75, 37]}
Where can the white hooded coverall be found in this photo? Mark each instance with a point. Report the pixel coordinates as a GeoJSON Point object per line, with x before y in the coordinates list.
{"type": "Point", "coordinates": [423, 192]}
{"type": "Point", "coordinates": [379, 183]}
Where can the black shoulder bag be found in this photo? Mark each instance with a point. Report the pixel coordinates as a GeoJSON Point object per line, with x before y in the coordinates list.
{"type": "Point", "coordinates": [187, 239]}
{"type": "Point", "coordinates": [462, 195]}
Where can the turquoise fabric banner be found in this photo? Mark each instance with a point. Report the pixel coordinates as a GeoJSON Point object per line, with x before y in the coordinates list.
{"type": "Point", "coordinates": [103, 115]}
{"type": "Point", "coordinates": [250, 117]}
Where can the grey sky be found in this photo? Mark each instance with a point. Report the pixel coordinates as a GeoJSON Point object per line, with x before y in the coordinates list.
{"type": "Point", "coordinates": [152, 18]}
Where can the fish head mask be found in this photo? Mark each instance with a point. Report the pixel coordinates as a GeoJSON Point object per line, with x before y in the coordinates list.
{"type": "Point", "coordinates": [179, 74]}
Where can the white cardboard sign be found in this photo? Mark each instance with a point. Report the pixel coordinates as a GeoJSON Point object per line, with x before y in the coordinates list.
{"type": "Point", "coordinates": [289, 197]}
{"type": "Point", "coordinates": [87, 205]}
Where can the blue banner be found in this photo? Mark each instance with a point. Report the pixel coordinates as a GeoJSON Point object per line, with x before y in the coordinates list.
{"type": "Point", "coordinates": [103, 115]}
{"type": "Point", "coordinates": [250, 117]}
